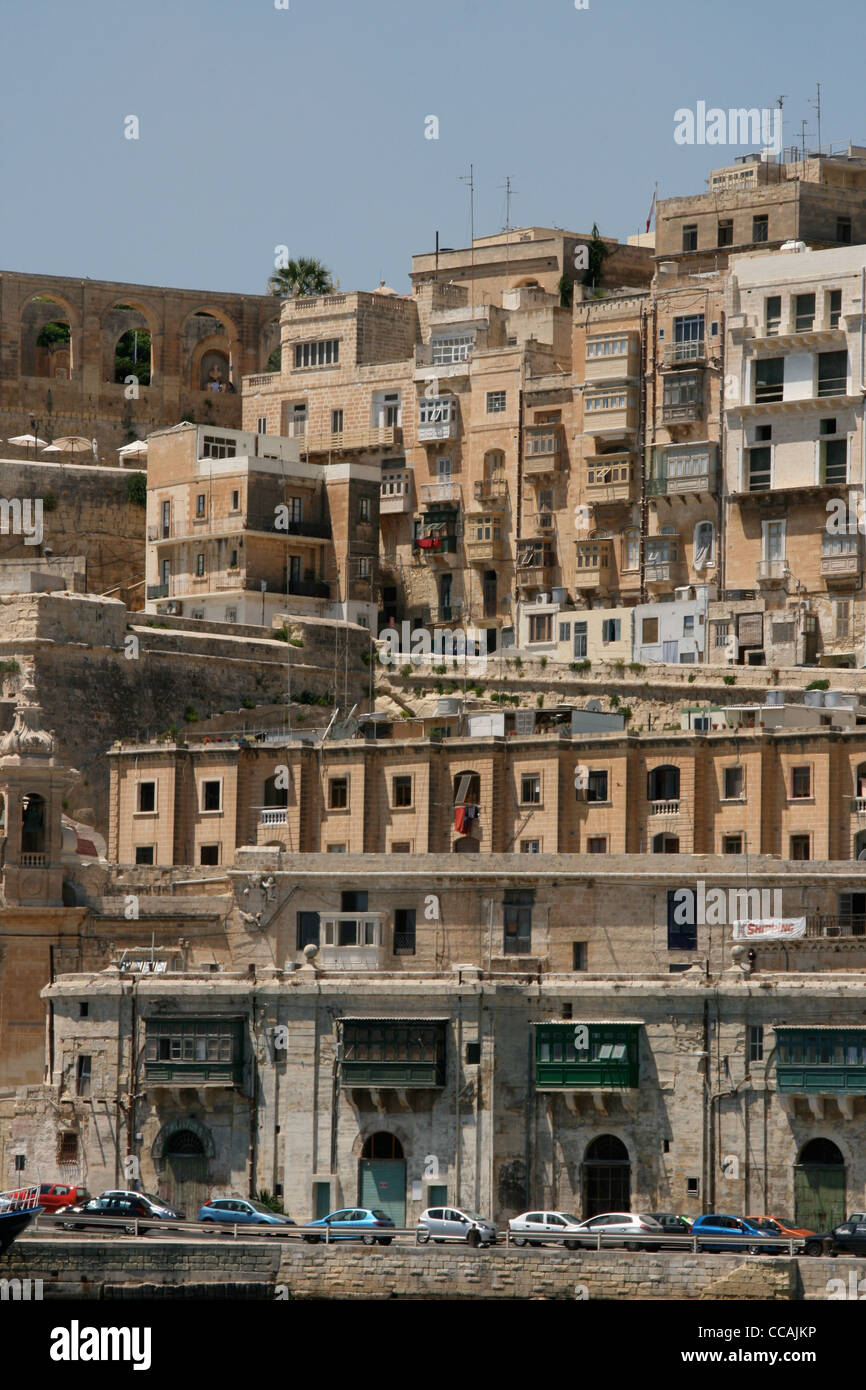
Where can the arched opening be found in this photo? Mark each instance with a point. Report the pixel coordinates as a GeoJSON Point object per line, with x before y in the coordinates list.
{"type": "Point", "coordinates": [663, 783]}
{"type": "Point", "coordinates": [606, 1177]}
{"type": "Point", "coordinates": [665, 844]}
{"type": "Point", "coordinates": [32, 824]}
{"type": "Point", "coordinates": [271, 352]}
{"type": "Point", "coordinates": [860, 845]}
{"type": "Point", "coordinates": [466, 845]}
{"type": "Point", "coordinates": [207, 343]}
{"type": "Point", "coordinates": [127, 326]}
{"type": "Point", "coordinates": [467, 808]}
{"type": "Point", "coordinates": [382, 1176]}
{"type": "Point", "coordinates": [860, 783]}
{"type": "Point", "coordinates": [48, 346]}
{"type": "Point", "coordinates": [819, 1186]}
{"type": "Point", "coordinates": [186, 1171]}
{"type": "Point", "coordinates": [494, 464]}
{"type": "Point", "coordinates": [704, 552]}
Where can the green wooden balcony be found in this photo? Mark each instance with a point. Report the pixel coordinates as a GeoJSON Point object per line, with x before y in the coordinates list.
{"type": "Point", "coordinates": [574, 1055]}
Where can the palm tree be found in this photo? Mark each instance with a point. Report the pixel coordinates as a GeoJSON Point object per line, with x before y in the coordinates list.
{"type": "Point", "coordinates": [303, 276]}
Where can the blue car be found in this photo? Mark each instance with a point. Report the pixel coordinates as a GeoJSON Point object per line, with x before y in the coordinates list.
{"type": "Point", "coordinates": [242, 1211]}
{"type": "Point", "coordinates": [746, 1235]}
{"type": "Point", "coordinates": [355, 1223]}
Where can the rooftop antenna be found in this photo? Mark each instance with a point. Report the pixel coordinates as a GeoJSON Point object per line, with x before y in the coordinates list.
{"type": "Point", "coordinates": [803, 139]}
{"type": "Point", "coordinates": [780, 102]}
{"type": "Point", "coordinates": [470, 182]}
{"type": "Point", "coordinates": [817, 105]}
{"type": "Point", "coordinates": [507, 227]}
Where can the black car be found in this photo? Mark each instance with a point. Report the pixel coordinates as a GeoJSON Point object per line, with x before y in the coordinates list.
{"type": "Point", "coordinates": [109, 1210]}
{"type": "Point", "coordinates": [672, 1223]}
{"type": "Point", "coordinates": [849, 1238]}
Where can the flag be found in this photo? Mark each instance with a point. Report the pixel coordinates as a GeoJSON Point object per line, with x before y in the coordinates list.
{"type": "Point", "coordinates": [652, 211]}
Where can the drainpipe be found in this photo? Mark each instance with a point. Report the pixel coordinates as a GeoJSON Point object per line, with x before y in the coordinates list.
{"type": "Point", "coordinates": [707, 1131]}
{"type": "Point", "coordinates": [457, 1078]}
{"type": "Point", "coordinates": [862, 388]}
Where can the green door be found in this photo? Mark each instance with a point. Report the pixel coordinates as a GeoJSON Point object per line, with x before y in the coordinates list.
{"type": "Point", "coordinates": [322, 1199]}
{"type": "Point", "coordinates": [383, 1184]}
{"type": "Point", "coordinates": [437, 1196]}
{"type": "Point", "coordinates": [819, 1196]}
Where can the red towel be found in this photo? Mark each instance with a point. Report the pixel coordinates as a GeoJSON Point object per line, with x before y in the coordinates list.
{"type": "Point", "coordinates": [460, 819]}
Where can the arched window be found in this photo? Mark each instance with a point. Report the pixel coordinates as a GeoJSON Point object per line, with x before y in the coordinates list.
{"type": "Point", "coordinates": [823, 1152]}
{"type": "Point", "coordinates": [665, 844]}
{"type": "Point", "coordinates": [382, 1145]}
{"type": "Point", "coordinates": [663, 783]}
{"type": "Point", "coordinates": [704, 553]}
{"type": "Point", "coordinates": [606, 1176]}
{"type": "Point", "coordinates": [631, 549]}
{"type": "Point", "coordinates": [185, 1143]}
{"type": "Point", "coordinates": [494, 463]}
{"type": "Point", "coordinates": [467, 788]}
{"type": "Point", "coordinates": [274, 795]}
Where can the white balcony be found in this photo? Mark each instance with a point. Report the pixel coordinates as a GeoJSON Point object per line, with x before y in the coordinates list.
{"type": "Point", "coordinates": [437, 419]}
{"type": "Point", "coordinates": [396, 494]}
{"type": "Point", "coordinates": [664, 808]}
{"type": "Point", "coordinates": [858, 805]}
{"type": "Point", "coordinates": [771, 571]}
{"type": "Point", "coordinates": [273, 816]}
{"type": "Point", "coordinates": [440, 492]}
{"type": "Point", "coordinates": [352, 941]}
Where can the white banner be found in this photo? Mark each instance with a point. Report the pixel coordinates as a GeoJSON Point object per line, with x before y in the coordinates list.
{"type": "Point", "coordinates": [770, 928]}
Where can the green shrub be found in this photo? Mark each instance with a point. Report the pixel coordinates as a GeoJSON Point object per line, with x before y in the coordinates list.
{"type": "Point", "coordinates": [539, 700]}
{"type": "Point", "coordinates": [281, 633]}
{"type": "Point", "coordinates": [9, 668]}
{"type": "Point", "coordinates": [614, 700]}
{"type": "Point", "coordinates": [636, 667]}
{"type": "Point", "coordinates": [407, 670]}
{"type": "Point", "coordinates": [580, 665]}
{"type": "Point", "coordinates": [190, 715]}
{"type": "Point", "coordinates": [49, 502]}
{"type": "Point", "coordinates": [729, 680]}
{"type": "Point", "coordinates": [247, 704]}
{"type": "Point", "coordinates": [543, 663]}
{"type": "Point", "coordinates": [625, 711]}
{"type": "Point", "coordinates": [272, 1203]}
{"type": "Point", "coordinates": [692, 677]}
{"type": "Point", "coordinates": [136, 489]}
{"type": "Point", "coordinates": [818, 685]}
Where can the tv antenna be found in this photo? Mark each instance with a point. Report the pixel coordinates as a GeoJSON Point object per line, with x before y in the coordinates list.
{"type": "Point", "coordinates": [816, 103]}
{"type": "Point", "coordinates": [780, 102]}
{"type": "Point", "coordinates": [469, 180]}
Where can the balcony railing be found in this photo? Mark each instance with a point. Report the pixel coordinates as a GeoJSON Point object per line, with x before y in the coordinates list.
{"type": "Point", "coordinates": [157, 591]}
{"type": "Point", "coordinates": [664, 808]}
{"type": "Point", "coordinates": [440, 492]}
{"type": "Point", "coordinates": [835, 924]}
{"type": "Point", "coordinates": [275, 816]}
{"type": "Point", "coordinates": [32, 860]}
{"type": "Point", "coordinates": [344, 441]}
{"type": "Point", "coordinates": [771, 571]}
{"type": "Point", "coordinates": [676, 353]}
{"type": "Point", "coordinates": [682, 413]}
{"type": "Point", "coordinates": [610, 479]}
{"type": "Point", "coordinates": [845, 565]}
{"type": "Point", "coordinates": [491, 491]}
{"type": "Point", "coordinates": [535, 576]}
{"type": "Point", "coordinates": [669, 485]}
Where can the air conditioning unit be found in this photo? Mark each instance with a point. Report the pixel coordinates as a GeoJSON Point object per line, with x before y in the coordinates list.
{"type": "Point", "coordinates": [543, 598]}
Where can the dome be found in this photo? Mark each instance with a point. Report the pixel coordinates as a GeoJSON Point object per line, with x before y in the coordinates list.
{"type": "Point", "coordinates": [382, 288]}
{"type": "Point", "coordinates": [27, 738]}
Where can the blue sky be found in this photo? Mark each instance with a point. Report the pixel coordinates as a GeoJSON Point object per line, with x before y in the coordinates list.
{"type": "Point", "coordinates": [306, 127]}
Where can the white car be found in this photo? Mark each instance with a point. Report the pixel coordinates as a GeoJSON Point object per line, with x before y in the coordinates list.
{"type": "Point", "coordinates": [626, 1223]}
{"type": "Point", "coordinates": [526, 1229]}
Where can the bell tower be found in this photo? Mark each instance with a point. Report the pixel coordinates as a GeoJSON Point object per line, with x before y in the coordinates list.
{"type": "Point", "coordinates": [32, 786]}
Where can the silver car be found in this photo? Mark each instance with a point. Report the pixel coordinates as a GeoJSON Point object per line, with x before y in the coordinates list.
{"type": "Point", "coordinates": [455, 1223]}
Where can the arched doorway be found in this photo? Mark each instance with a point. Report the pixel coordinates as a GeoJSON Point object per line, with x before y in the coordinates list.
{"type": "Point", "coordinates": [186, 1171]}
{"type": "Point", "coordinates": [382, 1176]}
{"type": "Point", "coordinates": [606, 1176]}
{"type": "Point", "coordinates": [819, 1186]}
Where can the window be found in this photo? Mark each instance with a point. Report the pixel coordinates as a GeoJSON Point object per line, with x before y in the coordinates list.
{"type": "Point", "coordinates": [324, 354]}
{"type": "Point", "coordinates": [834, 460]}
{"type": "Point", "coordinates": [262, 424]}
{"type": "Point", "coordinates": [721, 633]}
{"type": "Point", "coordinates": [631, 555]}
{"type": "Point", "coordinates": [211, 796]}
{"type": "Point", "coordinates": [760, 227]}
{"type": "Point", "coordinates": [682, 920]}
{"type": "Point", "coordinates": [565, 632]}
{"type": "Point", "coordinates": [82, 1076]}
{"type": "Point", "coordinates": [732, 778]}
{"type": "Point", "coordinates": [597, 785]}
{"type": "Point", "coordinates": [607, 347]}
{"type": "Point", "coordinates": [307, 926]}
{"type": "Point", "coordinates": [801, 782]}
{"type": "Point", "coordinates": [769, 379]}
{"type": "Point", "coordinates": [445, 351]}
{"type": "Point", "coordinates": [732, 844]}
{"type": "Point", "coordinates": [201, 504]}
{"type": "Point", "coordinates": [580, 639]}
{"type": "Point", "coordinates": [828, 425]}
{"type": "Point", "coordinates": [773, 315]}
{"type": "Point", "coordinates": [800, 847]}
{"type": "Point", "coordinates": [596, 844]}
{"type": "Point", "coordinates": [690, 237]}
{"type": "Point", "coordinates": [364, 509]}
{"type": "Point", "coordinates": [336, 849]}
{"type": "Point", "coordinates": [147, 796]}
{"type": "Point", "coordinates": [199, 565]}
{"type": "Point", "coordinates": [832, 373]}
{"type": "Point", "coordinates": [218, 446]}
{"type": "Point", "coordinates": [688, 623]}
{"type": "Point", "coordinates": [209, 854]}
{"type": "Point", "coordinates": [759, 466]}
{"type": "Point", "coordinates": [804, 313]}
{"type": "Point", "coordinates": [338, 793]}
{"type": "Point", "coordinates": [84, 1009]}
{"type": "Point", "coordinates": [473, 1054]}
{"type": "Point", "coordinates": [834, 307]}
{"type": "Point", "coordinates": [763, 434]}
{"type": "Point", "coordinates": [236, 501]}
{"type": "Point", "coordinates": [649, 630]}
{"type": "Point", "coordinates": [495, 402]}
{"type": "Point", "coordinates": [144, 854]}
{"type": "Point", "coordinates": [336, 422]}
{"type": "Point", "coordinates": [365, 567]}
{"type": "Point", "coordinates": [578, 955]}
{"type": "Point", "coordinates": [530, 846]}
{"type": "Point", "coordinates": [401, 791]}
{"type": "Point", "coordinates": [774, 540]}
{"type": "Point", "coordinates": [843, 230]}
{"type": "Point", "coordinates": [756, 1043]}
{"type": "Point", "coordinates": [295, 416]}
{"type": "Point", "coordinates": [401, 847]}
{"type": "Point", "coordinates": [434, 410]}
{"type": "Point", "coordinates": [231, 615]}
{"type": "Point", "coordinates": [540, 627]}
{"type": "Point", "coordinates": [517, 921]}
{"type": "Point", "coordinates": [610, 629]}
{"type": "Point", "coordinates": [842, 618]}
{"type": "Point", "coordinates": [726, 231]}
{"type": "Point", "coordinates": [530, 789]}
{"type": "Point", "coordinates": [233, 564]}
{"type": "Point", "coordinates": [404, 931]}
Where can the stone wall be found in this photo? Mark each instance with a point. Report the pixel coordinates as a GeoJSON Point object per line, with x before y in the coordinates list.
{"type": "Point", "coordinates": [91, 1269]}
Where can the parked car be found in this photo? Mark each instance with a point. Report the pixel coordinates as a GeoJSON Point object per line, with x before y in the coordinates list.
{"type": "Point", "coordinates": [108, 1210]}
{"type": "Point", "coordinates": [672, 1223]}
{"type": "Point", "coordinates": [243, 1211]}
{"type": "Point", "coordinates": [355, 1223]}
{"type": "Point", "coordinates": [534, 1223]}
{"type": "Point", "coordinates": [625, 1223]}
{"type": "Point", "coordinates": [54, 1196]}
{"type": "Point", "coordinates": [455, 1223]}
{"type": "Point", "coordinates": [159, 1208]}
{"type": "Point", "coordinates": [774, 1225]}
{"type": "Point", "coordinates": [848, 1238]}
{"type": "Point", "coordinates": [735, 1226]}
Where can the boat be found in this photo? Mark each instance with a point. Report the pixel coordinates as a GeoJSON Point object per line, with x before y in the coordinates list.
{"type": "Point", "coordinates": [17, 1210]}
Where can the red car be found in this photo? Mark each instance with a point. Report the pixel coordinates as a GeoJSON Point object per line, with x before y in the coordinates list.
{"type": "Point", "coordinates": [54, 1196]}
